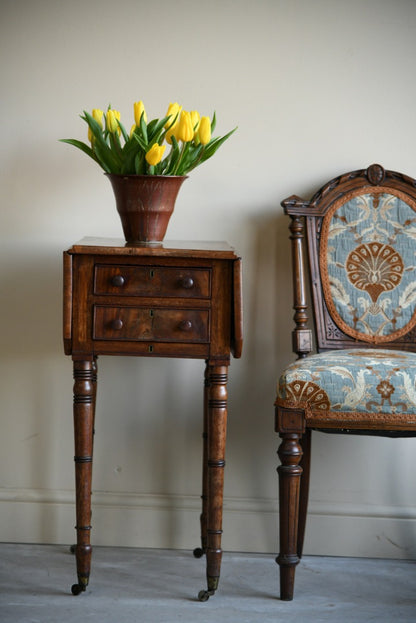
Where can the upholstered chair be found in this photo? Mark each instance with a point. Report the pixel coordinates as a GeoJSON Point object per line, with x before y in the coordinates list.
{"type": "Point", "coordinates": [354, 250]}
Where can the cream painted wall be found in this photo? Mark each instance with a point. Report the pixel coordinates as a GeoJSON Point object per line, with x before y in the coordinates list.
{"type": "Point", "coordinates": [317, 88]}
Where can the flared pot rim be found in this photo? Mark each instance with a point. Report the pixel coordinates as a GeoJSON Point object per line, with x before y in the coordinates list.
{"type": "Point", "coordinates": [147, 177]}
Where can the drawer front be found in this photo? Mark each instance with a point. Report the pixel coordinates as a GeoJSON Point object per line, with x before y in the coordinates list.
{"type": "Point", "coordinates": [143, 324]}
{"type": "Point", "coordinates": [152, 281]}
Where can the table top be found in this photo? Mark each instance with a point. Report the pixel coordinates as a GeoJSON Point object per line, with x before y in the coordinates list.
{"type": "Point", "coordinates": [171, 248]}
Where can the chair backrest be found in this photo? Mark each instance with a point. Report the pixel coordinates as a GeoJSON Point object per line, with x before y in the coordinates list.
{"type": "Point", "coordinates": [361, 238]}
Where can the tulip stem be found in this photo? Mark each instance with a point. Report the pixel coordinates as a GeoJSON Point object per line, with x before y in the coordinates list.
{"type": "Point", "coordinates": [184, 146]}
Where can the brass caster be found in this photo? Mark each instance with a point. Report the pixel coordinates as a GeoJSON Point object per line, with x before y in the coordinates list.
{"type": "Point", "coordinates": [76, 589]}
{"type": "Point", "coordinates": [205, 595]}
{"type": "Point", "coordinates": [198, 552]}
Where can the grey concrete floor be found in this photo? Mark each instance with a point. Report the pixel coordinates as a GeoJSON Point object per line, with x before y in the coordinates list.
{"type": "Point", "coordinates": [152, 586]}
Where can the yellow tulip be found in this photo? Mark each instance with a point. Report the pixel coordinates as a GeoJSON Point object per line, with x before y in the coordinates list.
{"type": "Point", "coordinates": [138, 111]}
{"type": "Point", "coordinates": [111, 120]}
{"type": "Point", "coordinates": [185, 130]}
{"type": "Point", "coordinates": [195, 118]}
{"type": "Point", "coordinates": [173, 113]}
{"type": "Point", "coordinates": [173, 110]}
{"type": "Point", "coordinates": [155, 154]}
{"type": "Point", "coordinates": [97, 114]}
{"type": "Point", "coordinates": [204, 130]}
{"type": "Point", "coordinates": [171, 132]}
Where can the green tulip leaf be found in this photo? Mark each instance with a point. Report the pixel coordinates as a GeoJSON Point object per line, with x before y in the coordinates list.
{"type": "Point", "coordinates": [80, 145]}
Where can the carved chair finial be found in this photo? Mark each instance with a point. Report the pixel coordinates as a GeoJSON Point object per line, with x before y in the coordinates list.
{"type": "Point", "coordinates": [375, 174]}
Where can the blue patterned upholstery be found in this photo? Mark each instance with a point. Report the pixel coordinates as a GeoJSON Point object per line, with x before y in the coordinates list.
{"type": "Point", "coordinates": [356, 381]}
{"type": "Point", "coordinates": [367, 261]}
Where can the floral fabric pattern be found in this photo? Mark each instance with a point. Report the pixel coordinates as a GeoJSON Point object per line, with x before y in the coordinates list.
{"type": "Point", "coordinates": [368, 259]}
{"type": "Point", "coordinates": [355, 380]}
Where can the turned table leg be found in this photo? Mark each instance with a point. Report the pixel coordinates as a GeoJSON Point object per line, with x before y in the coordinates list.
{"type": "Point", "coordinates": [216, 399]}
{"type": "Point", "coordinates": [85, 377]}
{"type": "Point", "coordinates": [200, 551]}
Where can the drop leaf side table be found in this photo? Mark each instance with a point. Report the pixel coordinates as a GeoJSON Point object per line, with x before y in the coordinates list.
{"type": "Point", "coordinates": [165, 300]}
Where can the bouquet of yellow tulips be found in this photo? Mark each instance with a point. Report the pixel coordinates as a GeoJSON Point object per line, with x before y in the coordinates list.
{"type": "Point", "coordinates": [142, 152]}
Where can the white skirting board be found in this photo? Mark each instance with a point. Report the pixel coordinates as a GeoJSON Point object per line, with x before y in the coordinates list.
{"type": "Point", "coordinates": [250, 525]}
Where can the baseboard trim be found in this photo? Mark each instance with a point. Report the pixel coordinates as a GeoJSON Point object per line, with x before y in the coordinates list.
{"type": "Point", "coordinates": [172, 521]}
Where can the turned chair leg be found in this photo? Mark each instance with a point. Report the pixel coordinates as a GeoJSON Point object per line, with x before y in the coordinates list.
{"type": "Point", "coordinates": [290, 454]}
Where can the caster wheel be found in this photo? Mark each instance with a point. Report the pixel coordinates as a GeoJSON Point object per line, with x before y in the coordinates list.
{"type": "Point", "coordinates": [198, 552]}
{"type": "Point", "coordinates": [76, 589]}
{"type": "Point", "coordinates": [72, 549]}
{"type": "Point", "coordinates": [203, 595]}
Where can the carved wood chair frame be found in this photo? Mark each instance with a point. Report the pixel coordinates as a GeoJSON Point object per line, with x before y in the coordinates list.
{"type": "Point", "coordinates": [307, 219]}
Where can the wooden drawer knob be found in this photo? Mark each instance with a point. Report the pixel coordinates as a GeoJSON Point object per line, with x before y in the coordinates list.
{"type": "Point", "coordinates": [185, 325]}
{"type": "Point", "coordinates": [117, 324]}
{"type": "Point", "coordinates": [118, 281]}
{"type": "Point", "coordinates": [187, 282]}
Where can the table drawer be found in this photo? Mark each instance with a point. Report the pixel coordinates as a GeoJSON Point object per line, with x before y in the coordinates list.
{"type": "Point", "coordinates": [144, 324]}
{"type": "Point", "coordinates": [152, 281]}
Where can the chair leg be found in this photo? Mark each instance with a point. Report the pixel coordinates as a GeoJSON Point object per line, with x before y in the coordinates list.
{"type": "Point", "coordinates": [305, 464]}
{"type": "Point", "coordinates": [290, 454]}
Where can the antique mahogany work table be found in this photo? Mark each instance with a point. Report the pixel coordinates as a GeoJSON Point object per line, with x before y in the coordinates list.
{"type": "Point", "coordinates": [164, 300]}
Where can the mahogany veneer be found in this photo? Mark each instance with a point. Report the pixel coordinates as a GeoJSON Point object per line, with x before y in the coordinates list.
{"type": "Point", "coordinates": [164, 300]}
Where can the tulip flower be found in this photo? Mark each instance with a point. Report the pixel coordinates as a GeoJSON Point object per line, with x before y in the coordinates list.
{"type": "Point", "coordinates": [97, 114]}
{"type": "Point", "coordinates": [173, 144]}
{"type": "Point", "coordinates": [155, 154]}
{"type": "Point", "coordinates": [204, 130]}
{"type": "Point", "coordinates": [173, 112]}
{"type": "Point", "coordinates": [111, 120]}
{"type": "Point", "coordinates": [195, 118]}
{"type": "Point", "coordinates": [185, 131]}
{"type": "Point", "coordinates": [139, 110]}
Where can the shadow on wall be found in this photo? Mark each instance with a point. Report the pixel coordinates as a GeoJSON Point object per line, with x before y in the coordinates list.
{"type": "Point", "coordinates": [31, 289]}
{"type": "Point", "coordinates": [267, 347]}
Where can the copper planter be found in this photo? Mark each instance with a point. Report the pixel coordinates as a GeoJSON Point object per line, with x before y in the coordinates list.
{"type": "Point", "coordinates": [145, 204]}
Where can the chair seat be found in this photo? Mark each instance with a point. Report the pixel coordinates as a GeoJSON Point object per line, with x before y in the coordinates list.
{"type": "Point", "coordinates": [364, 388]}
